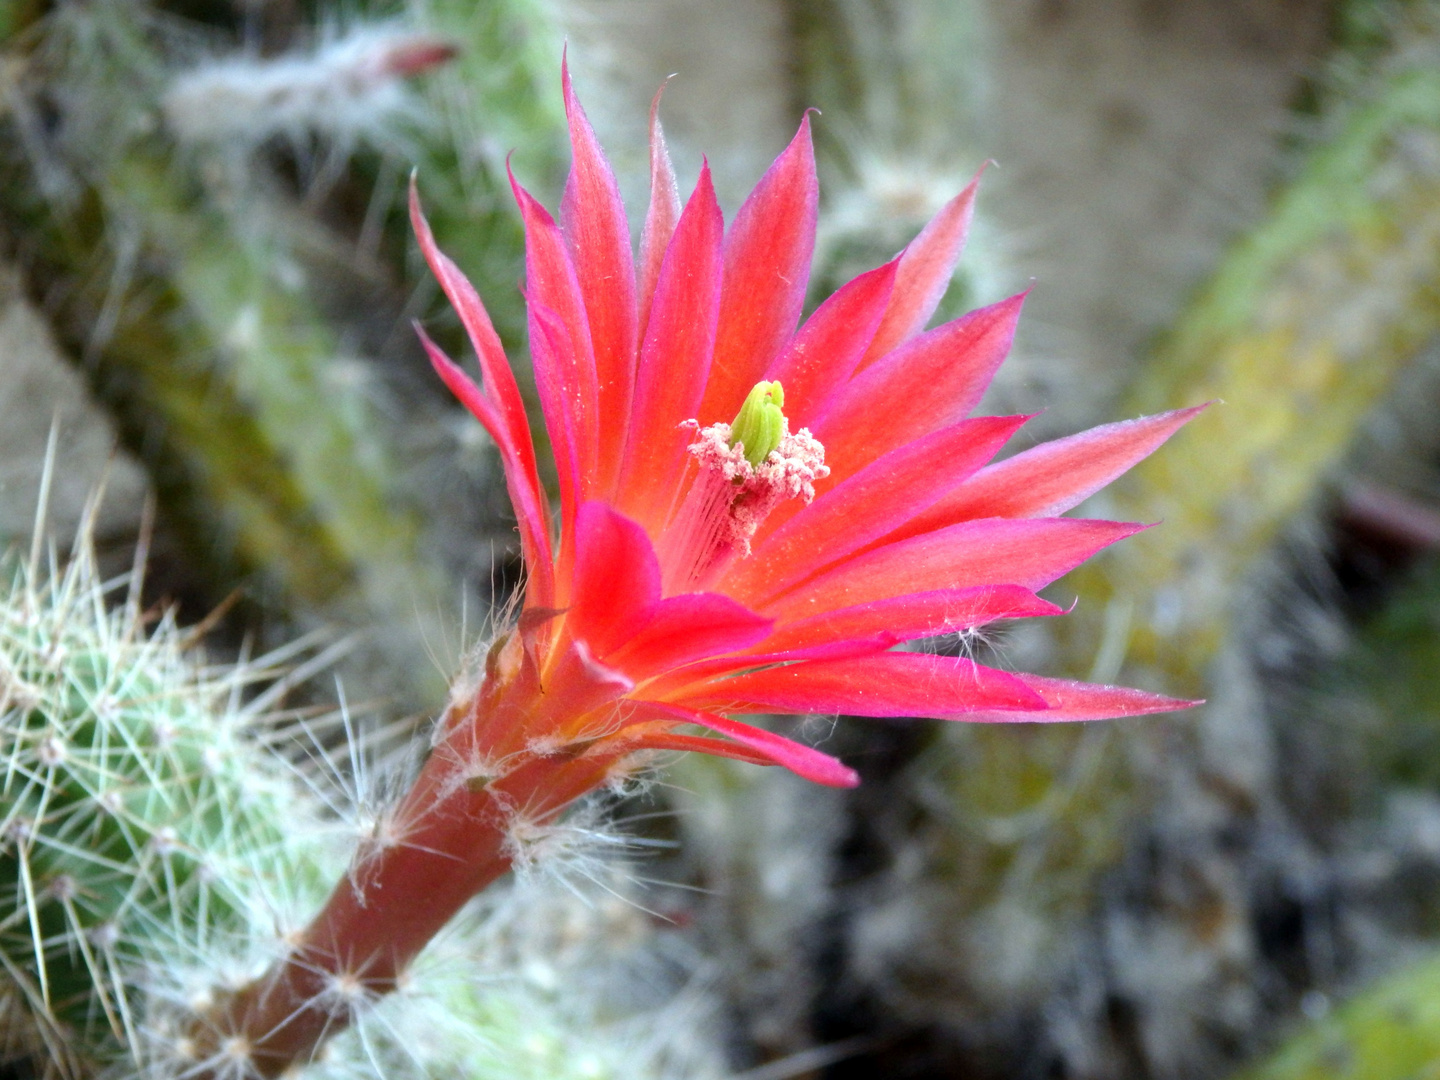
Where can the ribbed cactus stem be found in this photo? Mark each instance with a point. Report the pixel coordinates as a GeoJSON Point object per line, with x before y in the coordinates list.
{"type": "Point", "coordinates": [1303, 331]}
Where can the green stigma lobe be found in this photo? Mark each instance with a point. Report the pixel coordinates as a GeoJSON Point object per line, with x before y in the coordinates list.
{"type": "Point", "coordinates": [760, 425]}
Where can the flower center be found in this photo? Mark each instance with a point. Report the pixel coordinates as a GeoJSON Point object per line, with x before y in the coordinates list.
{"type": "Point", "coordinates": [746, 470]}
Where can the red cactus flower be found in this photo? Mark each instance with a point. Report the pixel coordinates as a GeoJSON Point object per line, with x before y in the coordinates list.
{"type": "Point", "coordinates": [751, 518]}
{"type": "Point", "coordinates": [705, 568]}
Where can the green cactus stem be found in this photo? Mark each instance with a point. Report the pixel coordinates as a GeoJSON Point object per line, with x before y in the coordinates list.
{"type": "Point", "coordinates": [142, 822]}
{"type": "Point", "coordinates": [1301, 334]}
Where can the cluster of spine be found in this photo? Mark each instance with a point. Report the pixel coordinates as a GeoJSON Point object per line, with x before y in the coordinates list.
{"type": "Point", "coordinates": [160, 840]}
{"type": "Point", "coordinates": [145, 826]}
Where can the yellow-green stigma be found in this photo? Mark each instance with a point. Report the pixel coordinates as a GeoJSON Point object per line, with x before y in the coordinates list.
{"type": "Point", "coordinates": [760, 425]}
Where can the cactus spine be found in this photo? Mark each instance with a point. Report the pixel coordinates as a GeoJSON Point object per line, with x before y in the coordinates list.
{"type": "Point", "coordinates": [160, 841]}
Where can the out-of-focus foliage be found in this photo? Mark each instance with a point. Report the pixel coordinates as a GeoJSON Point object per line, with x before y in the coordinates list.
{"type": "Point", "coordinates": [215, 309]}
{"type": "Point", "coordinates": [1302, 332]}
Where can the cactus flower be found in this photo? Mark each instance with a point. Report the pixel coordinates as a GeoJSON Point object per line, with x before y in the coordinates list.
{"type": "Point", "coordinates": [707, 566]}
{"type": "Point", "coordinates": [751, 518]}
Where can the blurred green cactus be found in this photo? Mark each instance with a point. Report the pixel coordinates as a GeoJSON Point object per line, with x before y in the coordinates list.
{"type": "Point", "coordinates": [146, 828]}
{"type": "Point", "coordinates": [1301, 333]}
{"type": "Point", "coordinates": [1390, 1031]}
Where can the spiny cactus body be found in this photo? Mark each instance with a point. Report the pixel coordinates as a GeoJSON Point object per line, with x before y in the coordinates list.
{"type": "Point", "coordinates": [160, 838]}
{"type": "Point", "coordinates": [144, 824]}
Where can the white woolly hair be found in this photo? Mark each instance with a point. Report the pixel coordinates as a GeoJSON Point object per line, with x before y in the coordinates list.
{"type": "Point", "coordinates": [349, 88]}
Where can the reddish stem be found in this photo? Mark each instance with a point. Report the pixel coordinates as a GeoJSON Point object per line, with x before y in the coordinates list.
{"type": "Point", "coordinates": [450, 837]}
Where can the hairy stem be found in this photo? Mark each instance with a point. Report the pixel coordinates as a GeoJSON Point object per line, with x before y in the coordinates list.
{"type": "Point", "coordinates": [482, 797]}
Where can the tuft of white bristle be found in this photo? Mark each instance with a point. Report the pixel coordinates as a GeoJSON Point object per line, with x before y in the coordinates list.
{"type": "Point", "coordinates": [349, 88]}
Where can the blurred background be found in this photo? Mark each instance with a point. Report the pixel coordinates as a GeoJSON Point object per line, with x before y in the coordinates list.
{"type": "Point", "coordinates": [206, 285]}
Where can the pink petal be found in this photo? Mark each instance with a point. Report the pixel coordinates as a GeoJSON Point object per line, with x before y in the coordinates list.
{"type": "Point", "coordinates": [1030, 552]}
{"type": "Point", "coordinates": [617, 579]}
{"type": "Point", "coordinates": [657, 736]}
{"type": "Point", "coordinates": [871, 504]}
{"type": "Point", "coordinates": [802, 760]}
{"type": "Point", "coordinates": [682, 629]}
{"type": "Point", "coordinates": [929, 382]}
{"type": "Point", "coordinates": [675, 360]}
{"type": "Point", "coordinates": [1067, 700]}
{"type": "Point", "coordinates": [494, 366]}
{"type": "Point", "coordinates": [598, 237]}
{"type": "Point", "coordinates": [822, 356]}
{"type": "Point", "coordinates": [576, 682]}
{"type": "Point", "coordinates": [571, 386]}
{"type": "Point", "coordinates": [767, 266]}
{"type": "Point", "coordinates": [1055, 476]}
{"type": "Point", "coordinates": [926, 267]}
{"type": "Point", "coordinates": [797, 757]}
{"type": "Point", "coordinates": [679, 682]}
{"type": "Point", "coordinates": [616, 610]}
{"type": "Point", "coordinates": [552, 356]}
{"type": "Point", "coordinates": [891, 684]}
{"type": "Point", "coordinates": [664, 212]}
{"type": "Point", "coordinates": [521, 479]}
{"type": "Point", "coordinates": [508, 426]}
{"type": "Point", "coordinates": [917, 615]}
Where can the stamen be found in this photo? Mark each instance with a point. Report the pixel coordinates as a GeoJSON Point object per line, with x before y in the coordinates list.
{"type": "Point", "coordinates": [732, 494]}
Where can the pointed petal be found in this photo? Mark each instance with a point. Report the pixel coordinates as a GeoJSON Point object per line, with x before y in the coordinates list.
{"type": "Point", "coordinates": [617, 580]}
{"type": "Point", "coordinates": [551, 284]}
{"type": "Point", "coordinates": [682, 629]}
{"type": "Point", "coordinates": [1055, 476]}
{"type": "Point", "coordinates": [552, 356]}
{"type": "Point", "coordinates": [750, 744]}
{"type": "Point", "coordinates": [931, 381]}
{"type": "Point", "coordinates": [598, 238]}
{"type": "Point", "coordinates": [494, 366]}
{"type": "Point", "coordinates": [1067, 700]}
{"type": "Point", "coordinates": [871, 504]}
{"type": "Point", "coordinates": [521, 479]}
{"type": "Point", "coordinates": [664, 212]}
{"type": "Point", "coordinates": [1030, 552]}
{"type": "Point", "coordinates": [823, 355]}
{"type": "Point", "coordinates": [617, 611]}
{"type": "Point", "coordinates": [675, 361]}
{"type": "Point", "coordinates": [891, 684]}
{"type": "Point", "coordinates": [680, 682]}
{"type": "Point", "coordinates": [926, 266]}
{"type": "Point", "coordinates": [767, 266]}
{"type": "Point", "coordinates": [657, 735]}
{"type": "Point", "coordinates": [800, 759]}
{"type": "Point", "coordinates": [917, 615]}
